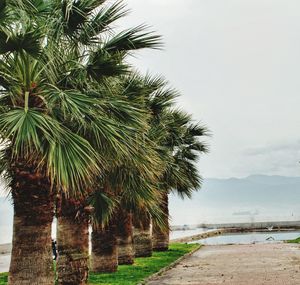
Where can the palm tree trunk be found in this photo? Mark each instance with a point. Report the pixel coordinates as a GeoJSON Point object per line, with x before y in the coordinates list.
{"type": "Point", "coordinates": [160, 238]}
{"type": "Point", "coordinates": [125, 237]}
{"type": "Point", "coordinates": [72, 243]}
{"type": "Point", "coordinates": [104, 248]}
{"type": "Point", "coordinates": [142, 239]}
{"type": "Point", "coordinates": [31, 260]}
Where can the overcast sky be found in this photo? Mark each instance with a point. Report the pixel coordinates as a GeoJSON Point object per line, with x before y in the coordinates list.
{"type": "Point", "coordinates": [237, 65]}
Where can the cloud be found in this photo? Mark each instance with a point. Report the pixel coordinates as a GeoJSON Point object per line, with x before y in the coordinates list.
{"type": "Point", "coordinates": [272, 159]}
{"type": "Point", "coordinates": [293, 146]}
{"type": "Point", "coordinates": [236, 64]}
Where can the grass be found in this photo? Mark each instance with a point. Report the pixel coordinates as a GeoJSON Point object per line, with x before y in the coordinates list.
{"type": "Point", "coordinates": [142, 268]}
{"type": "Point", "coordinates": [3, 278]}
{"type": "Point", "coordinates": [297, 240]}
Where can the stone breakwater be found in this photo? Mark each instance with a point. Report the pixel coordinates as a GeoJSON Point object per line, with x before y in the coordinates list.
{"type": "Point", "coordinates": [200, 236]}
{"type": "Point", "coordinates": [218, 232]}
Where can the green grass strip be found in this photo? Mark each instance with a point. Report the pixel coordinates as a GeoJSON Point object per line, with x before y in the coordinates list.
{"type": "Point", "coordinates": [141, 269]}
{"type": "Point", "coordinates": [3, 278]}
{"type": "Point", "coordinates": [297, 240]}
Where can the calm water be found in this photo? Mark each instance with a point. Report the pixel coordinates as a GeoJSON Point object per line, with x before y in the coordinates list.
{"type": "Point", "coordinates": [248, 238]}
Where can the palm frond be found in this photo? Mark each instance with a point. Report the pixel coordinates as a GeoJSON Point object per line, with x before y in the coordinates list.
{"type": "Point", "coordinates": [102, 64]}
{"type": "Point", "coordinates": [104, 206]}
{"type": "Point", "coordinates": [133, 39]}
{"type": "Point", "coordinates": [70, 159]}
{"type": "Point", "coordinates": [3, 12]}
{"type": "Point", "coordinates": [72, 163]}
{"type": "Point", "coordinates": [72, 104]}
{"type": "Point", "coordinates": [76, 13]}
{"type": "Point", "coordinates": [28, 41]}
{"type": "Point", "coordinates": [100, 22]}
{"type": "Point", "coordinates": [161, 100]}
{"type": "Point", "coordinates": [32, 7]}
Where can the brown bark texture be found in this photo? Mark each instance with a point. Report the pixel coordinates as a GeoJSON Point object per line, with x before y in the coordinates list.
{"type": "Point", "coordinates": [31, 259]}
{"type": "Point", "coordinates": [142, 239]}
{"type": "Point", "coordinates": [72, 242]}
{"type": "Point", "coordinates": [160, 238]}
{"type": "Point", "coordinates": [104, 248]}
{"type": "Point", "coordinates": [125, 237]}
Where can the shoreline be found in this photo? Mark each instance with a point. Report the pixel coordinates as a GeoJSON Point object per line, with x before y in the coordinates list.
{"type": "Point", "coordinates": [222, 231]}
{"type": "Point", "coordinates": [5, 249]}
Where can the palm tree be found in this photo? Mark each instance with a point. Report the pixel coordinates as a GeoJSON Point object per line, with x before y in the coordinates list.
{"type": "Point", "coordinates": [159, 99]}
{"type": "Point", "coordinates": [104, 248]}
{"type": "Point", "coordinates": [131, 184]}
{"type": "Point", "coordinates": [46, 108]}
{"type": "Point", "coordinates": [143, 89]}
{"type": "Point", "coordinates": [142, 237]}
{"type": "Point", "coordinates": [104, 257]}
{"type": "Point", "coordinates": [125, 237]}
{"type": "Point", "coordinates": [86, 28]}
{"type": "Point", "coordinates": [181, 175]}
{"type": "Point", "coordinates": [35, 143]}
{"type": "Point", "coordinates": [110, 149]}
{"type": "Point", "coordinates": [137, 124]}
{"type": "Point", "coordinates": [134, 180]}
{"type": "Point", "coordinates": [72, 240]}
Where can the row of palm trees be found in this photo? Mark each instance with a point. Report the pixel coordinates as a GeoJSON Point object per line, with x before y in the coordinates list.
{"type": "Point", "coordinates": [87, 138]}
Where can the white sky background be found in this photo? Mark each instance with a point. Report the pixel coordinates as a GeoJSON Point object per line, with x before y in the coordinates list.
{"type": "Point", "coordinates": [237, 65]}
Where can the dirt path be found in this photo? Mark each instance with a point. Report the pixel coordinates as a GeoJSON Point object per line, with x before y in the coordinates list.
{"type": "Point", "coordinates": [257, 264]}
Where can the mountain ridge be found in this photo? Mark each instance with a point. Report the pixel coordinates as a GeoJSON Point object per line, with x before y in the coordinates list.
{"type": "Point", "coordinates": [264, 197]}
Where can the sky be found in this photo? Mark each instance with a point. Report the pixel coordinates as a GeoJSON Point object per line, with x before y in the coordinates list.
{"type": "Point", "coordinates": [237, 66]}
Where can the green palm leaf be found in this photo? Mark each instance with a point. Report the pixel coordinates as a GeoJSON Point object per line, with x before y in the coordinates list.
{"type": "Point", "coordinates": [28, 41]}
{"type": "Point", "coordinates": [133, 39]}
{"type": "Point", "coordinates": [69, 158]}
{"type": "Point", "coordinates": [100, 23]}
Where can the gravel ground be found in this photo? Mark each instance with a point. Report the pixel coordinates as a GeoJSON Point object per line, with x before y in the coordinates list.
{"type": "Point", "coordinates": [255, 264]}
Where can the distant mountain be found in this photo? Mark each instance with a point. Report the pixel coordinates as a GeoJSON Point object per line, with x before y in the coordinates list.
{"type": "Point", "coordinates": [257, 197]}
{"type": "Point", "coordinates": [272, 180]}
{"type": "Point", "coordinates": [257, 189]}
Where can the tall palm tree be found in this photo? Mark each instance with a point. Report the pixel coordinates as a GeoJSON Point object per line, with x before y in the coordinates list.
{"type": "Point", "coordinates": [73, 240]}
{"type": "Point", "coordinates": [131, 184]}
{"type": "Point", "coordinates": [108, 150]}
{"type": "Point", "coordinates": [35, 143]}
{"type": "Point", "coordinates": [104, 257]}
{"type": "Point", "coordinates": [142, 237]}
{"type": "Point", "coordinates": [125, 237]}
{"type": "Point", "coordinates": [85, 26]}
{"type": "Point", "coordinates": [181, 175]}
{"type": "Point", "coordinates": [159, 99]}
{"type": "Point", "coordinates": [140, 88]}
{"type": "Point", "coordinates": [136, 120]}
{"type": "Point", "coordinates": [134, 179]}
{"type": "Point", "coordinates": [45, 109]}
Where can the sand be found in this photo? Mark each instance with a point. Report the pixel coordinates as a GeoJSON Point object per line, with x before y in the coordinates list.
{"type": "Point", "coordinates": [257, 264]}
